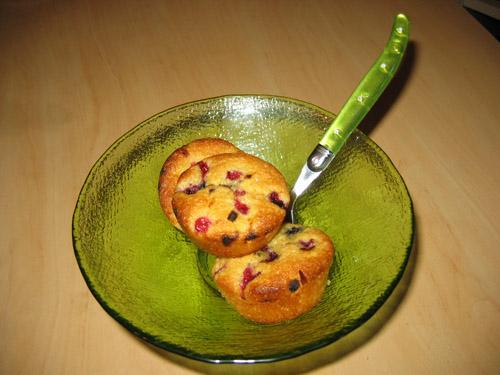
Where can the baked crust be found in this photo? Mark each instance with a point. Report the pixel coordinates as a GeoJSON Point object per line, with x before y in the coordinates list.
{"type": "Point", "coordinates": [180, 160]}
{"type": "Point", "coordinates": [280, 282]}
{"type": "Point", "coordinates": [231, 204]}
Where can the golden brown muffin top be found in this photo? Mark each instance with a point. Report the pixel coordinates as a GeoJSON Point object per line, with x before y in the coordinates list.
{"type": "Point", "coordinates": [180, 160]}
{"type": "Point", "coordinates": [229, 203]}
{"type": "Point", "coordinates": [295, 256]}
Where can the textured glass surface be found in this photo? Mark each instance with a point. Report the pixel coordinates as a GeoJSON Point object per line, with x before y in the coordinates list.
{"type": "Point", "coordinates": [145, 273]}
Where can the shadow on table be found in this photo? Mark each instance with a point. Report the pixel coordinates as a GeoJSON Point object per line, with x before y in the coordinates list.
{"type": "Point", "coordinates": [360, 336]}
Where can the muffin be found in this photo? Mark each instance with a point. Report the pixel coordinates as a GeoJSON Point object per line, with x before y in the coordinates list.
{"type": "Point", "coordinates": [282, 280]}
{"type": "Point", "coordinates": [180, 160]}
{"type": "Point", "coordinates": [231, 204]}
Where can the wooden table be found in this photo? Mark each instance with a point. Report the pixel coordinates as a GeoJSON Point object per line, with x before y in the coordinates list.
{"type": "Point", "coordinates": [74, 76]}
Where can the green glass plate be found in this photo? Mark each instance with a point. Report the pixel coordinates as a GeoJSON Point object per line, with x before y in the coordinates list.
{"type": "Point", "coordinates": [146, 274]}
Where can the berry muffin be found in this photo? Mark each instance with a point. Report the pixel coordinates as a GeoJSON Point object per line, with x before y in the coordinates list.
{"type": "Point", "coordinates": [180, 160]}
{"type": "Point", "coordinates": [231, 204]}
{"type": "Point", "coordinates": [281, 281]}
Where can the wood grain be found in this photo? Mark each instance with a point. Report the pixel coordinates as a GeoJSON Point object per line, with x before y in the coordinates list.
{"type": "Point", "coordinates": [74, 76]}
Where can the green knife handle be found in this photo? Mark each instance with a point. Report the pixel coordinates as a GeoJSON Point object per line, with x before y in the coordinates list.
{"type": "Point", "coordinates": [370, 88]}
